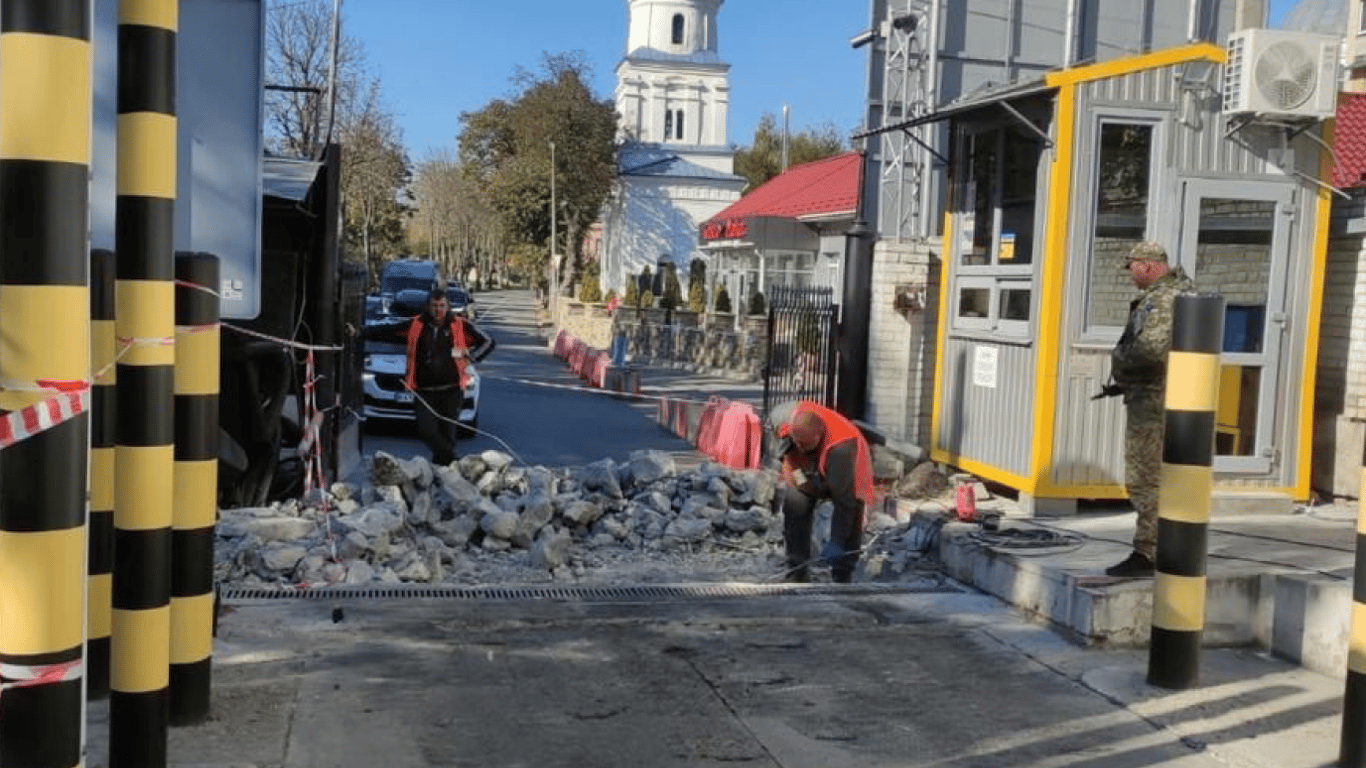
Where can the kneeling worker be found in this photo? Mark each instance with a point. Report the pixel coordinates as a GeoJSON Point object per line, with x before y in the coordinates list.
{"type": "Point", "coordinates": [823, 456]}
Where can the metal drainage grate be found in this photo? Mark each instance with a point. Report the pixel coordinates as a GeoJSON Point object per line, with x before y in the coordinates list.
{"type": "Point", "coordinates": [632, 592]}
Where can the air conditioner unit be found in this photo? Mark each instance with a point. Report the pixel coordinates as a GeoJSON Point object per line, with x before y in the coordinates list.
{"type": "Point", "coordinates": [1278, 73]}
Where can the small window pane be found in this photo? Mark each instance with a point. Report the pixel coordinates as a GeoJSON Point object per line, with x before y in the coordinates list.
{"type": "Point", "coordinates": [1014, 304]}
{"type": "Point", "coordinates": [980, 222]}
{"type": "Point", "coordinates": [1019, 183]}
{"type": "Point", "coordinates": [1121, 218]}
{"type": "Point", "coordinates": [668, 124]}
{"type": "Point", "coordinates": [677, 38]}
{"type": "Point", "coordinates": [678, 125]}
{"type": "Point", "coordinates": [974, 302]}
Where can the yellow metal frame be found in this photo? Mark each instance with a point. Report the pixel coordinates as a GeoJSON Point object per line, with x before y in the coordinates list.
{"type": "Point", "coordinates": [1048, 342]}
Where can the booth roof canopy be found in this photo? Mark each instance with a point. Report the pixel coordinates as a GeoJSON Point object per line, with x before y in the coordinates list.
{"type": "Point", "coordinates": [818, 188]}
{"type": "Point", "coordinates": [287, 178]}
{"type": "Point", "coordinates": [1349, 142]}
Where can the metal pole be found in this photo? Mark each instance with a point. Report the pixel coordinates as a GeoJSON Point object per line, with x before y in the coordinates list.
{"type": "Point", "coordinates": [145, 441]}
{"type": "Point", "coordinates": [554, 263]}
{"type": "Point", "coordinates": [332, 77]}
{"type": "Point", "coordinates": [851, 399]}
{"type": "Point", "coordinates": [1186, 481]}
{"type": "Point", "coordinates": [45, 133]}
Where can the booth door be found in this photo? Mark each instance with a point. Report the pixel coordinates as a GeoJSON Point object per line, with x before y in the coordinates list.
{"type": "Point", "coordinates": [1235, 241]}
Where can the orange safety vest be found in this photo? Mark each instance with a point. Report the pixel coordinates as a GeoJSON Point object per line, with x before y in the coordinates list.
{"type": "Point", "coordinates": [457, 343]}
{"type": "Point", "coordinates": [837, 430]}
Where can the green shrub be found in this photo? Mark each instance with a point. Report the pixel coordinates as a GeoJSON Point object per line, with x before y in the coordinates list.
{"type": "Point", "coordinates": [632, 297]}
{"type": "Point", "coordinates": [647, 300]}
{"type": "Point", "coordinates": [697, 285]}
{"type": "Point", "coordinates": [611, 294]}
{"type": "Point", "coordinates": [590, 291]}
{"type": "Point", "coordinates": [722, 299]}
{"type": "Point", "coordinates": [673, 293]}
{"type": "Point", "coordinates": [647, 279]}
{"type": "Point", "coordinates": [756, 304]}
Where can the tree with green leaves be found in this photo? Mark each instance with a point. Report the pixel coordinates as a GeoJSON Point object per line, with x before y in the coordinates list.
{"type": "Point", "coordinates": [374, 168]}
{"type": "Point", "coordinates": [697, 285]}
{"type": "Point", "coordinates": [763, 159]}
{"type": "Point", "coordinates": [505, 147]}
{"type": "Point", "coordinates": [632, 296]}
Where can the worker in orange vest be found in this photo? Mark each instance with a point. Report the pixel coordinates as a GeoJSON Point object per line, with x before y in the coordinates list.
{"type": "Point", "coordinates": [822, 456]}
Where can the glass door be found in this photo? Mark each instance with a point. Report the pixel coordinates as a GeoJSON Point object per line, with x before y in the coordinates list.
{"type": "Point", "coordinates": [1235, 241]}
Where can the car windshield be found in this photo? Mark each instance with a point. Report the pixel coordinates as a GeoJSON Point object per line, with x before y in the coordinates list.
{"type": "Point", "coordinates": [400, 276]}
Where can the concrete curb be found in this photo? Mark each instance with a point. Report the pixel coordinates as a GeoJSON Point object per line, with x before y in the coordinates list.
{"type": "Point", "coordinates": [1296, 615]}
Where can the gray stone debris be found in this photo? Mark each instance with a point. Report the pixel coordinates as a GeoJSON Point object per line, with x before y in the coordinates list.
{"type": "Point", "coordinates": [425, 524]}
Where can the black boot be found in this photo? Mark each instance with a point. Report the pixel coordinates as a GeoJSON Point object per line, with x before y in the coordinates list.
{"type": "Point", "coordinates": [1135, 565]}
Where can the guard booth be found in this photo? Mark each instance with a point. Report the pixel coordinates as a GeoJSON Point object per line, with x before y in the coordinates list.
{"type": "Point", "coordinates": [1052, 181]}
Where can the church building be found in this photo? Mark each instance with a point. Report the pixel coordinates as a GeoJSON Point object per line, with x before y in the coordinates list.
{"type": "Point", "coordinates": [675, 164]}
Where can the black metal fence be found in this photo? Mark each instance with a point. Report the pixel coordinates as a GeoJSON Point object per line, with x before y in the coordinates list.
{"type": "Point", "coordinates": [801, 346]}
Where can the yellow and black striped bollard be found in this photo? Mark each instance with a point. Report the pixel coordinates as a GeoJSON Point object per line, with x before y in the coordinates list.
{"type": "Point", "coordinates": [196, 486]}
{"type": "Point", "coordinates": [145, 442]}
{"type": "Point", "coordinates": [100, 562]}
{"type": "Point", "coordinates": [1186, 481]}
{"type": "Point", "coordinates": [45, 135]}
{"type": "Point", "coordinates": [1352, 746]}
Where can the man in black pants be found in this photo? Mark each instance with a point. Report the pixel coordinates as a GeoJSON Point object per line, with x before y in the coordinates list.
{"type": "Point", "coordinates": [823, 456]}
{"type": "Point", "coordinates": [440, 345]}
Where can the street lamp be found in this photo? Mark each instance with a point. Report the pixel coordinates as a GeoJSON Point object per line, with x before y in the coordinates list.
{"type": "Point", "coordinates": [554, 277]}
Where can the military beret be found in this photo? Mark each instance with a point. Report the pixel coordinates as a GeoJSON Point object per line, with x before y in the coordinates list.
{"type": "Point", "coordinates": [1148, 251]}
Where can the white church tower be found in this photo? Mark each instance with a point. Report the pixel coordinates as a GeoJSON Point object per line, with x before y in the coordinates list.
{"type": "Point", "coordinates": [675, 165]}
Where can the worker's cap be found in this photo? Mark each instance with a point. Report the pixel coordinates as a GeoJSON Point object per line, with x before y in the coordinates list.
{"type": "Point", "coordinates": [1147, 250]}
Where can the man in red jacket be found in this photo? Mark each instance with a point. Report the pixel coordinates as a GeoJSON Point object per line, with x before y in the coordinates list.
{"type": "Point", "coordinates": [823, 456]}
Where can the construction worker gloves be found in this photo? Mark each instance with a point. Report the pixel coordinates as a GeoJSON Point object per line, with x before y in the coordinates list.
{"type": "Point", "coordinates": [831, 553]}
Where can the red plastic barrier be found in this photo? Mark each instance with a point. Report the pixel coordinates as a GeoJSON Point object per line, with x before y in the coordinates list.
{"type": "Point", "coordinates": [732, 435]}
{"type": "Point", "coordinates": [709, 426]}
{"type": "Point", "coordinates": [601, 362]}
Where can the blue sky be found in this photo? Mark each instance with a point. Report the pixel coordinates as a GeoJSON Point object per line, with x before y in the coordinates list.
{"type": "Point", "coordinates": [438, 58]}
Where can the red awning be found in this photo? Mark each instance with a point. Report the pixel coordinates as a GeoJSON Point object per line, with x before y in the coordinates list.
{"type": "Point", "coordinates": [817, 189]}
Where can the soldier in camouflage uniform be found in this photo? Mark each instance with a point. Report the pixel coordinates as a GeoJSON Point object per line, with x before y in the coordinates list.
{"type": "Point", "coordinates": [1138, 367]}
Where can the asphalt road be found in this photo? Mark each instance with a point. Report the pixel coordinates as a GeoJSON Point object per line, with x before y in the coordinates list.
{"type": "Point", "coordinates": [534, 405]}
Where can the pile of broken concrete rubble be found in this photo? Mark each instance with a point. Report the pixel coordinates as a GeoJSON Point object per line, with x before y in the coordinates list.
{"type": "Point", "coordinates": [483, 519]}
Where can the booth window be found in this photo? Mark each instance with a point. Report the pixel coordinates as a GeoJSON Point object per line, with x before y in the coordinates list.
{"type": "Point", "coordinates": [1122, 192]}
{"type": "Point", "coordinates": [996, 211]}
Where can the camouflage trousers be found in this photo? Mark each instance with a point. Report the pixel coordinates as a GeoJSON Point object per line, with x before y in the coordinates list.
{"type": "Point", "coordinates": [1143, 464]}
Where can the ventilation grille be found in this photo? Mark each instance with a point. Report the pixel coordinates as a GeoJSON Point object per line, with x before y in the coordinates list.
{"type": "Point", "coordinates": [579, 594]}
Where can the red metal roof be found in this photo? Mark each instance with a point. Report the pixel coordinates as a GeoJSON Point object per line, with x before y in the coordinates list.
{"type": "Point", "coordinates": [820, 187]}
{"type": "Point", "coordinates": [1349, 141]}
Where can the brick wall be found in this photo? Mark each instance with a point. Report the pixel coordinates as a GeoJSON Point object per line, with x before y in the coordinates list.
{"type": "Point", "coordinates": [901, 342]}
{"type": "Point", "coordinates": [1340, 381]}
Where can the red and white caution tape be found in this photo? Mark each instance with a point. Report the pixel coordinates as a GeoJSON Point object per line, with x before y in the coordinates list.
{"type": "Point", "coordinates": [283, 342]}
{"type": "Point", "coordinates": [20, 676]}
{"type": "Point", "coordinates": [29, 421]}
